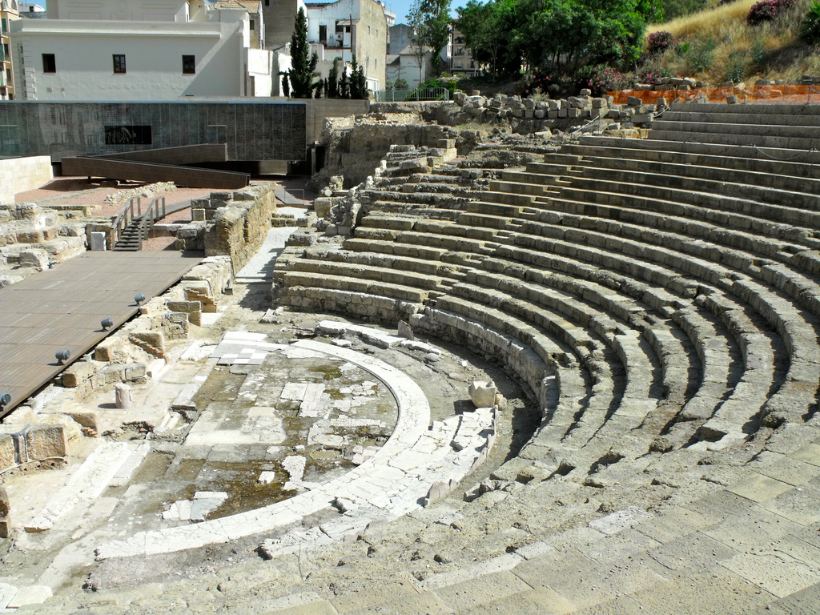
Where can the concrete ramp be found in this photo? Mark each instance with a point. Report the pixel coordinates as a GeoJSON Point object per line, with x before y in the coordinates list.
{"type": "Point", "coordinates": [183, 155]}
{"type": "Point", "coordinates": [149, 172]}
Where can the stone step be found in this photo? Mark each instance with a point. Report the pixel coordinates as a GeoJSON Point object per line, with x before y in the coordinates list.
{"type": "Point", "coordinates": [802, 110]}
{"type": "Point", "coordinates": [758, 244]}
{"type": "Point", "coordinates": [340, 282]}
{"type": "Point", "coordinates": [515, 187]}
{"type": "Point", "coordinates": [715, 126]}
{"type": "Point", "coordinates": [763, 194]}
{"type": "Point", "coordinates": [775, 159]}
{"type": "Point", "coordinates": [750, 116]}
{"type": "Point", "coordinates": [743, 139]}
{"type": "Point", "coordinates": [583, 188]}
{"type": "Point", "coordinates": [634, 160]}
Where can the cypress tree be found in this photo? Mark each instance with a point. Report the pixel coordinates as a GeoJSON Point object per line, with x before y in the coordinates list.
{"type": "Point", "coordinates": [333, 82]}
{"type": "Point", "coordinates": [344, 85]}
{"type": "Point", "coordinates": [303, 63]}
{"type": "Point", "coordinates": [285, 85]}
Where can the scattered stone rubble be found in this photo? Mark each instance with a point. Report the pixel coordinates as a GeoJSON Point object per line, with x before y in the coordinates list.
{"type": "Point", "coordinates": [34, 239]}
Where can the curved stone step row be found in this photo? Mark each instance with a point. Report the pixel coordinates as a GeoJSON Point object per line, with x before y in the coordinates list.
{"type": "Point", "coordinates": [705, 201]}
{"type": "Point", "coordinates": [754, 157]}
{"type": "Point", "coordinates": [799, 287]}
{"type": "Point", "coordinates": [684, 165]}
{"type": "Point", "coordinates": [745, 116]}
{"type": "Point", "coordinates": [734, 134]}
{"type": "Point", "coordinates": [768, 222]}
{"type": "Point", "coordinates": [795, 199]}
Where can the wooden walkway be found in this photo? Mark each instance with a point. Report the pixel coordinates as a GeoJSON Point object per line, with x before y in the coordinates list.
{"type": "Point", "coordinates": [62, 309]}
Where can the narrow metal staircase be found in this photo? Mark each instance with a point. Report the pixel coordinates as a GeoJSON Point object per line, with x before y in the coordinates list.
{"type": "Point", "coordinates": [133, 225]}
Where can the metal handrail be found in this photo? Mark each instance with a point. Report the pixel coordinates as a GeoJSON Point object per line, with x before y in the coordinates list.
{"type": "Point", "coordinates": [156, 211]}
{"type": "Point", "coordinates": [126, 215]}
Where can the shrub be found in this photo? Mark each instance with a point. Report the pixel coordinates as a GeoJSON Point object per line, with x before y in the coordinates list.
{"type": "Point", "coordinates": [736, 66]}
{"type": "Point", "coordinates": [658, 42]}
{"type": "Point", "coordinates": [701, 55]}
{"type": "Point", "coordinates": [810, 28]}
{"type": "Point", "coordinates": [767, 10]}
{"type": "Point", "coordinates": [600, 79]}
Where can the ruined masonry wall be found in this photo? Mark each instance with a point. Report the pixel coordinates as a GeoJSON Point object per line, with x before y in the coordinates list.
{"type": "Point", "coordinates": [240, 223]}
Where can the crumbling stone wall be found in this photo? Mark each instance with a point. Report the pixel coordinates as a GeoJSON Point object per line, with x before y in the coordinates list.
{"type": "Point", "coordinates": [33, 238]}
{"type": "Point", "coordinates": [239, 224]}
{"type": "Point", "coordinates": [32, 444]}
{"type": "Point", "coordinates": [353, 151]}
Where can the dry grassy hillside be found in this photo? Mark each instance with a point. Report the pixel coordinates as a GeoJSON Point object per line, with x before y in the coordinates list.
{"type": "Point", "coordinates": [718, 45]}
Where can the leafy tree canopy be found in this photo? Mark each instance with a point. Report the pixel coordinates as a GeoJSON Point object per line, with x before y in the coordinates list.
{"type": "Point", "coordinates": [557, 37]}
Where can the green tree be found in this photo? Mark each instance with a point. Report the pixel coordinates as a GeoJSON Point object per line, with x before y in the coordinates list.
{"type": "Point", "coordinates": [303, 62]}
{"type": "Point", "coordinates": [333, 81]}
{"type": "Point", "coordinates": [344, 84]}
{"type": "Point", "coordinates": [285, 85]}
{"type": "Point", "coordinates": [358, 80]}
{"type": "Point", "coordinates": [430, 20]}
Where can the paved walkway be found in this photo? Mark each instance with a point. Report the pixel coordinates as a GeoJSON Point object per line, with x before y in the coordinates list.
{"type": "Point", "coordinates": [62, 309]}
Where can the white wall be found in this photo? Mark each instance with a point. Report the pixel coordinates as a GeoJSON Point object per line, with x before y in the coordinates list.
{"type": "Point", "coordinates": [21, 174]}
{"type": "Point", "coordinates": [83, 53]}
{"type": "Point", "coordinates": [132, 10]}
{"type": "Point", "coordinates": [260, 69]}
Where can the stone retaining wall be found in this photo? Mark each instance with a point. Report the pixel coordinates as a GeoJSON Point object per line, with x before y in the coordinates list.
{"type": "Point", "coordinates": [21, 174]}
{"type": "Point", "coordinates": [239, 224]}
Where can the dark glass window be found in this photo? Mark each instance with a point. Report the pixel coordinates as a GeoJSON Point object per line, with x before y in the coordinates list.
{"type": "Point", "coordinates": [49, 63]}
{"type": "Point", "coordinates": [127, 135]}
{"type": "Point", "coordinates": [119, 63]}
{"type": "Point", "coordinates": [188, 65]}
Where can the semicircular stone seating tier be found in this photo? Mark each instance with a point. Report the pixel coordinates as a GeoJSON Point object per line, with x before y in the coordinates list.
{"type": "Point", "coordinates": [652, 294]}
{"type": "Point", "coordinates": [419, 463]}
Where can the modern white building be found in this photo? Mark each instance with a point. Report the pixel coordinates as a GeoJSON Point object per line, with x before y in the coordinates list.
{"type": "Point", "coordinates": [143, 49]}
{"type": "Point", "coordinates": [340, 29]}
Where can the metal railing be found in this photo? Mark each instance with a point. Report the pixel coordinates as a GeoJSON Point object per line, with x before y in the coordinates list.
{"type": "Point", "coordinates": [126, 216]}
{"type": "Point", "coordinates": [156, 211]}
{"type": "Point", "coordinates": [132, 212]}
{"type": "Point", "coordinates": [416, 94]}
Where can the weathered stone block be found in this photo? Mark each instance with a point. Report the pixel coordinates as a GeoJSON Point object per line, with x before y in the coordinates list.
{"type": "Point", "coordinates": [36, 258]}
{"type": "Point", "coordinates": [152, 342]}
{"type": "Point", "coordinates": [45, 442]}
{"type": "Point", "coordinates": [8, 455]}
{"type": "Point", "coordinates": [78, 374]}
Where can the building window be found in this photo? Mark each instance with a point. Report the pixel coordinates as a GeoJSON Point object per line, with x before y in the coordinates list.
{"type": "Point", "coordinates": [322, 34]}
{"type": "Point", "coordinates": [119, 63]}
{"type": "Point", "coordinates": [267, 2]}
{"type": "Point", "coordinates": [188, 65]}
{"type": "Point", "coordinates": [127, 135]}
{"type": "Point", "coordinates": [253, 25]}
{"type": "Point", "coordinates": [49, 63]}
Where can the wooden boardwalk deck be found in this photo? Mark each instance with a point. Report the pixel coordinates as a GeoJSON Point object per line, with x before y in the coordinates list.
{"type": "Point", "coordinates": [62, 309]}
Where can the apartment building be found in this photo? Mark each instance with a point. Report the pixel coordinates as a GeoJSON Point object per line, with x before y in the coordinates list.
{"type": "Point", "coordinates": [9, 12]}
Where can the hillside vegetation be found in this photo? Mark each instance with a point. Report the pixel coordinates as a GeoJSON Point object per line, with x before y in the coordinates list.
{"type": "Point", "coordinates": [720, 44]}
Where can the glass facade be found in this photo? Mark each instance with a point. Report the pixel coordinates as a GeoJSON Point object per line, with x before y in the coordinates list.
{"type": "Point", "coordinates": [253, 129]}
